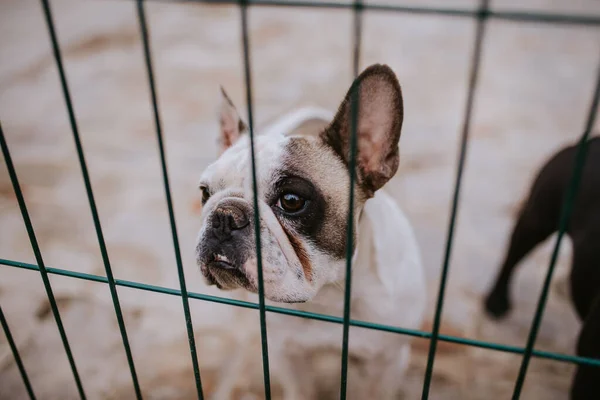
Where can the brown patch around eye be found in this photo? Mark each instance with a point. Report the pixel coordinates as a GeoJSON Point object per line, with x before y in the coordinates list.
{"type": "Point", "coordinates": [319, 164]}
{"type": "Point", "coordinates": [301, 253]}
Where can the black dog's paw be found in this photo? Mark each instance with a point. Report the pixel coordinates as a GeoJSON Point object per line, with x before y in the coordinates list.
{"type": "Point", "coordinates": [497, 305]}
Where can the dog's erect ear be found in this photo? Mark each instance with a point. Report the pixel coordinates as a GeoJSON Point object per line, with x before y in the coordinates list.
{"type": "Point", "coordinates": [379, 122]}
{"type": "Point", "coordinates": [231, 125]}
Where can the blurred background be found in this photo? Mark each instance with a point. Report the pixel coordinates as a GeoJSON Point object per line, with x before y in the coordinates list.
{"type": "Point", "coordinates": [535, 86]}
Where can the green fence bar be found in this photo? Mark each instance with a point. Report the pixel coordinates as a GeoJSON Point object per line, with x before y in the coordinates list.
{"type": "Point", "coordinates": [354, 109]}
{"type": "Point", "coordinates": [40, 261]}
{"type": "Point", "coordinates": [565, 216]}
{"type": "Point", "coordinates": [259, 266]}
{"type": "Point", "coordinates": [314, 316]}
{"type": "Point", "coordinates": [15, 352]}
{"type": "Point", "coordinates": [517, 16]}
{"type": "Point", "coordinates": [163, 164]}
{"type": "Point", "coordinates": [475, 61]}
{"type": "Point", "coordinates": [90, 196]}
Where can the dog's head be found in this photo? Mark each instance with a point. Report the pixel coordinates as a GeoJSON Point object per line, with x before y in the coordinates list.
{"type": "Point", "coordinates": [303, 194]}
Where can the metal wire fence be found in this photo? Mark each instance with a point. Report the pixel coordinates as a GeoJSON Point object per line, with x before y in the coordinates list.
{"type": "Point", "coordinates": [482, 14]}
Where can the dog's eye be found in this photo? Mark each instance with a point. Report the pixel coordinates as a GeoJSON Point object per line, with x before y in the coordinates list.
{"type": "Point", "coordinates": [205, 194]}
{"type": "Point", "coordinates": [291, 203]}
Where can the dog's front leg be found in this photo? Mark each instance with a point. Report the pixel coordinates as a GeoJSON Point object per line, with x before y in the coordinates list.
{"type": "Point", "coordinates": [378, 377]}
{"type": "Point", "coordinates": [294, 374]}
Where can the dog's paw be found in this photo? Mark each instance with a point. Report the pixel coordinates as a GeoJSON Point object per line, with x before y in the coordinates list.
{"type": "Point", "coordinates": [497, 305]}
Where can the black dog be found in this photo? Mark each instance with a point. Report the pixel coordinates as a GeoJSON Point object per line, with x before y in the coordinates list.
{"type": "Point", "coordinates": [537, 220]}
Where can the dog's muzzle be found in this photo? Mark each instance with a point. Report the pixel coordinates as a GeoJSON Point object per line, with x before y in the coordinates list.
{"type": "Point", "coordinates": [226, 243]}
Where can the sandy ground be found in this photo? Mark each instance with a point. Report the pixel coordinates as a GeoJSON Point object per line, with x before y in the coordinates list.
{"type": "Point", "coordinates": [536, 83]}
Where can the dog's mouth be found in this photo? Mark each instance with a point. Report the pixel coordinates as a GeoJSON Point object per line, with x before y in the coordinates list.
{"type": "Point", "coordinates": [224, 273]}
{"type": "Point", "coordinates": [220, 261]}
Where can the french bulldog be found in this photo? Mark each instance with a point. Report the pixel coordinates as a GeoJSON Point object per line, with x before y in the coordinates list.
{"type": "Point", "coordinates": [303, 178]}
{"type": "Point", "coordinates": [538, 219]}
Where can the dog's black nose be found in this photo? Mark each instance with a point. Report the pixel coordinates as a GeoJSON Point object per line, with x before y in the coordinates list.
{"type": "Point", "coordinates": [226, 219]}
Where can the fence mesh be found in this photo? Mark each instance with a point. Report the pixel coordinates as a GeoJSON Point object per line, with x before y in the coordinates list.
{"type": "Point", "coordinates": [481, 15]}
{"type": "Point", "coordinates": [163, 164]}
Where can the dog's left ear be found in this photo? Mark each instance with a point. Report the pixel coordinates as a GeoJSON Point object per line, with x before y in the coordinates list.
{"type": "Point", "coordinates": [231, 125]}
{"type": "Point", "coordinates": [379, 122]}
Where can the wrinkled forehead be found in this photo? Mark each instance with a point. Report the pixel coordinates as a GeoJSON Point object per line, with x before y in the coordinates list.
{"type": "Point", "coordinates": [278, 155]}
{"type": "Point", "coordinates": [233, 170]}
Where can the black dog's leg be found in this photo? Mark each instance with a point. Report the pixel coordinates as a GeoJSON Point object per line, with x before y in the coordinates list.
{"type": "Point", "coordinates": [585, 292]}
{"type": "Point", "coordinates": [585, 271]}
{"type": "Point", "coordinates": [586, 385]}
{"type": "Point", "coordinates": [532, 228]}
{"type": "Point", "coordinates": [537, 220]}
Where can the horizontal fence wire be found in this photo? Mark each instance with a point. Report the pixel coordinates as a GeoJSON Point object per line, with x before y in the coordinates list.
{"type": "Point", "coordinates": [16, 355]}
{"type": "Point", "coordinates": [313, 316]}
{"type": "Point", "coordinates": [563, 223]}
{"type": "Point", "coordinates": [165, 175]}
{"type": "Point", "coordinates": [40, 262]}
{"type": "Point", "coordinates": [255, 193]}
{"type": "Point", "coordinates": [90, 196]}
{"type": "Point", "coordinates": [516, 16]}
{"type": "Point", "coordinates": [472, 86]}
{"type": "Point", "coordinates": [353, 116]}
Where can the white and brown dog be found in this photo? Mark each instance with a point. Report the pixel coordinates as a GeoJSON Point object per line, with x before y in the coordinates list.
{"type": "Point", "coordinates": [303, 194]}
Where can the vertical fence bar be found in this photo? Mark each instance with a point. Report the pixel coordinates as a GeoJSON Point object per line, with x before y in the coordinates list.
{"type": "Point", "coordinates": [473, 77]}
{"type": "Point", "coordinates": [15, 351]}
{"type": "Point", "coordinates": [90, 196]}
{"type": "Point", "coordinates": [357, 34]}
{"type": "Point", "coordinates": [354, 109]}
{"type": "Point", "coordinates": [259, 266]}
{"type": "Point", "coordinates": [565, 215]}
{"type": "Point", "coordinates": [40, 261]}
{"type": "Point", "coordinates": [165, 174]}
